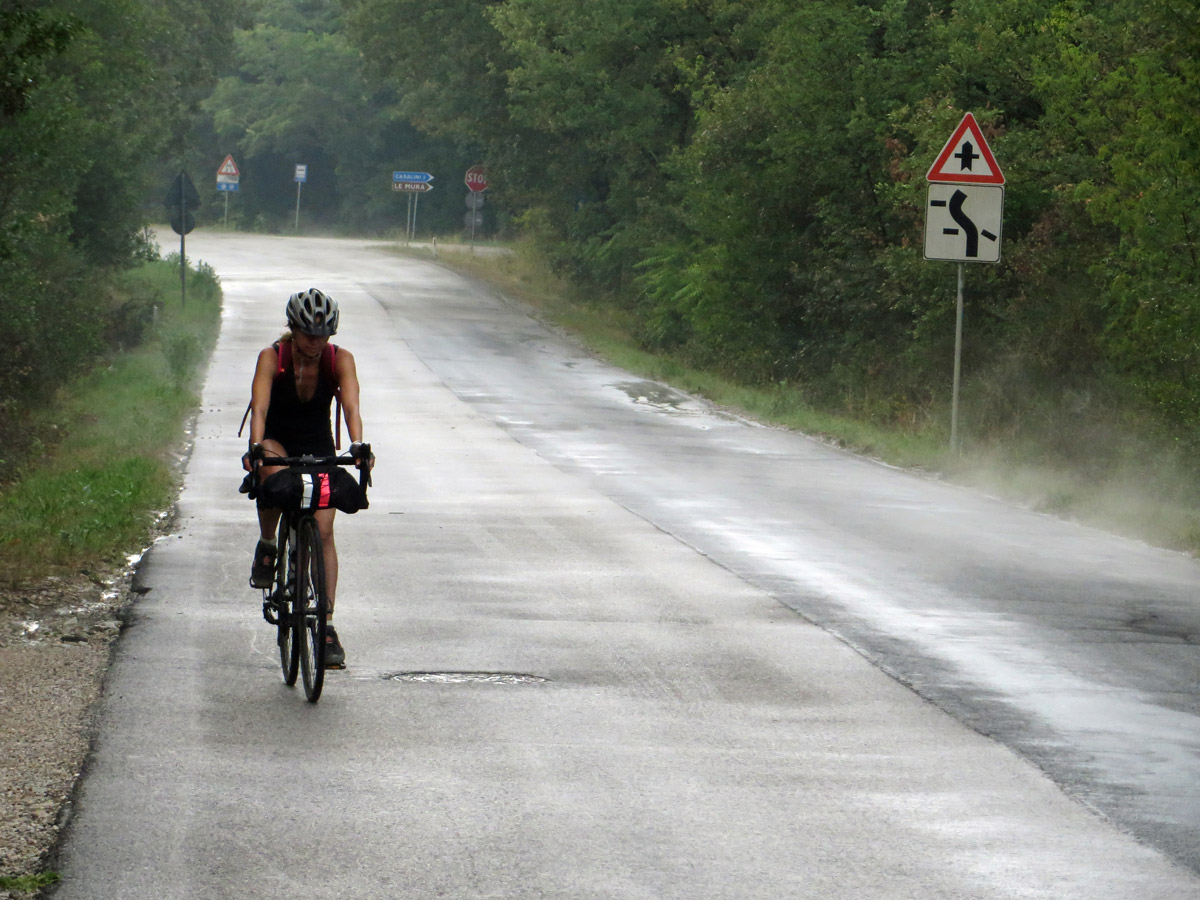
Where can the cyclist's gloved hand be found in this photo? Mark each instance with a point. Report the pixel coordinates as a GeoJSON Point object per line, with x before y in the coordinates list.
{"type": "Point", "coordinates": [248, 458]}
{"type": "Point", "coordinates": [361, 451]}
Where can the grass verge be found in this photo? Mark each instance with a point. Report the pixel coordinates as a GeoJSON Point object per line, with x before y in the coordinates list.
{"type": "Point", "coordinates": [28, 884]}
{"type": "Point", "coordinates": [104, 470]}
{"type": "Point", "coordinates": [1143, 492]}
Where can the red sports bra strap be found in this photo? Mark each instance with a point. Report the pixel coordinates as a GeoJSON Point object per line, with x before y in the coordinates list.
{"type": "Point", "coordinates": [283, 352]}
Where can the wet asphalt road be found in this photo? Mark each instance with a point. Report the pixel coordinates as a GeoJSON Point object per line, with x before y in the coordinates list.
{"type": "Point", "coordinates": [751, 665]}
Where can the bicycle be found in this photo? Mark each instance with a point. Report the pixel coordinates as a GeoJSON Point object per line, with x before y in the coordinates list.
{"type": "Point", "coordinates": [296, 603]}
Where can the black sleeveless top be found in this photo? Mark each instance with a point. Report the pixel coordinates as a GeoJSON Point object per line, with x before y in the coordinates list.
{"type": "Point", "coordinates": [301, 427]}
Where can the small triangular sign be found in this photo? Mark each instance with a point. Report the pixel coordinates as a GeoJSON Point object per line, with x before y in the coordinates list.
{"type": "Point", "coordinates": [229, 167]}
{"type": "Point", "coordinates": [182, 193]}
{"type": "Point", "coordinates": [966, 158]}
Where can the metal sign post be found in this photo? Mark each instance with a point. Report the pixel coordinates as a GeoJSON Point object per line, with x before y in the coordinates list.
{"type": "Point", "coordinates": [227, 180]}
{"type": "Point", "coordinates": [476, 181]}
{"type": "Point", "coordinates": [958, 331]}
{"type": "Point", "coordinates": [183, 180]}
{"type": "Point", "coordinates": [181, 199]}
{"type": "Point", "coordinates": [474, 218]}
{"type": "Point", "coordinates": [300, 177]}
{"type": "Point", "coordinates": [963, 221]}
{"type": "Point", "coordinates": [414, 184]}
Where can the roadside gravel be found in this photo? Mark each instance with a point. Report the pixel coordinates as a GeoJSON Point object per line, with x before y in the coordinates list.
{"type": "Point", "coordinates": [55, 641]}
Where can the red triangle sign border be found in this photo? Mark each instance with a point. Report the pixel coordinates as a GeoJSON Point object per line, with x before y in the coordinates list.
{"type": "Point", "coordinates": [228, 167]}
{"type": "Point", "coordinates": [967, 125]}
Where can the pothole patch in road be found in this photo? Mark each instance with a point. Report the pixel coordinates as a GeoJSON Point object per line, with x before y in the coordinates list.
{"type": "Point", "coordinates": [650, 393]}
{"type": "Point", "coordinates": [467, 678]}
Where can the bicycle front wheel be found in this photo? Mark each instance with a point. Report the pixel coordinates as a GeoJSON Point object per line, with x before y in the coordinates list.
{"type": "Point", "coordinates": [310, 607]}
{"type": "Point", "coordinates": [285, 588]}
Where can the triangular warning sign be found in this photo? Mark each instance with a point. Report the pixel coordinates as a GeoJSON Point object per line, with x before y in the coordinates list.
{"type": "Point", "coordinates": [229, 167]}
{"type": "Point", "coordinates": [966, 158]}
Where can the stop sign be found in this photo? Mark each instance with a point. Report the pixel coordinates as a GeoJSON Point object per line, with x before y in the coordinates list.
{"type": "Point", "coordinates": [476, 180]}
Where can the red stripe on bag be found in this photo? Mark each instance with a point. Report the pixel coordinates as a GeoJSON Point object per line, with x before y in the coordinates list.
{"type": "Point", "coordinates": [324, 504]}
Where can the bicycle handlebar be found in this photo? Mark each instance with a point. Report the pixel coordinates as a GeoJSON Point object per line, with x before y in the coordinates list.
{"type": "Point", "coordinates": [364, 454]}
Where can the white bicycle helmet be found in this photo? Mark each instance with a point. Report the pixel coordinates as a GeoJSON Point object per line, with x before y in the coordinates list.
{"type": "Point", "coordinates": [312, 312]}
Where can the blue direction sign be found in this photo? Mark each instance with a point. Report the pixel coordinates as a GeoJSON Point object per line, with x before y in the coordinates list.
{"type": "Point", "coordinates": [411, 177]}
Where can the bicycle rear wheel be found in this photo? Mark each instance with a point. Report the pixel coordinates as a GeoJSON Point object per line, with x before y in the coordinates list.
{"type": "Point", "coordinates": [285, 589]}
{"type": "Point", "coordinates": [310, 607]}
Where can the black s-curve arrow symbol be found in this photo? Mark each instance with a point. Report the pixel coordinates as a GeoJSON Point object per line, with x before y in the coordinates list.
{"type": "Point", "coordinates": [956, 213]}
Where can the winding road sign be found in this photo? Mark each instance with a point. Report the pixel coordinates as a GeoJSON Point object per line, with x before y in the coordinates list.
{"type": "Point", "coordinates": [963, 222]}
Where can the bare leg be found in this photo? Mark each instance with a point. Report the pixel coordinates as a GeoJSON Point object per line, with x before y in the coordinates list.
{"type": "Point", "coordinates": [334, 656]}
{"type": "Point", "coordinates": [324, 519]}
{"type": "Point", "coordinates": [268, 523]}
{"type": "Point", "coordinates": [268, 519]}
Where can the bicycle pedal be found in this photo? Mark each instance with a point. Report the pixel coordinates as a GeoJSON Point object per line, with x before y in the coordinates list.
{"type": "Point", "coordinates": [274, 607]}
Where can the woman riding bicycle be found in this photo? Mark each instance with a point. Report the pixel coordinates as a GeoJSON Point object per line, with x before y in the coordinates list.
{"type": "Point", "coordinates": [295, 382]}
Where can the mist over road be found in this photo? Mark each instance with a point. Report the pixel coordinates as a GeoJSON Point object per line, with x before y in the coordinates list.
{"type": "Point", "coordinates": [605, 641]}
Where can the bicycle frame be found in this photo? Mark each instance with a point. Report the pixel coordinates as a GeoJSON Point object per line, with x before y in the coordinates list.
{"type": "Point", "coordinates": [297, 603]}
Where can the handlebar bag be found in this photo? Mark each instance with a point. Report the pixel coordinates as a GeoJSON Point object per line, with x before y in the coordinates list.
{"type": "Point", "coordinates": [315, 489]}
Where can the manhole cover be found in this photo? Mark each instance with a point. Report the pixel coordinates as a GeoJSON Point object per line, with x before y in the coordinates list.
{"type": "Point", "coordinates": [468, 678]}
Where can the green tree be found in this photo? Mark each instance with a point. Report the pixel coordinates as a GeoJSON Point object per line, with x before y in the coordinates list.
{"type": "Point", "coordinates": [1124, 85]}
{"type": "Point", "coordinates": [791, 197]}
{"type": "Point", "coordinates": [298, 94]}
{"type": "Point", "coordinates": [761, 167]}
{"type": "Point", "coordinates": [445, 61]}
{"type": "Point", "coordinates": [90, 99]}
{"type": "Point", "coordinates": [599, 96]}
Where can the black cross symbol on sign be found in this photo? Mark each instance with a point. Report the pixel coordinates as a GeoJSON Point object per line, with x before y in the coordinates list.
{"type": "Point", "coordinates": [966, 156]}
